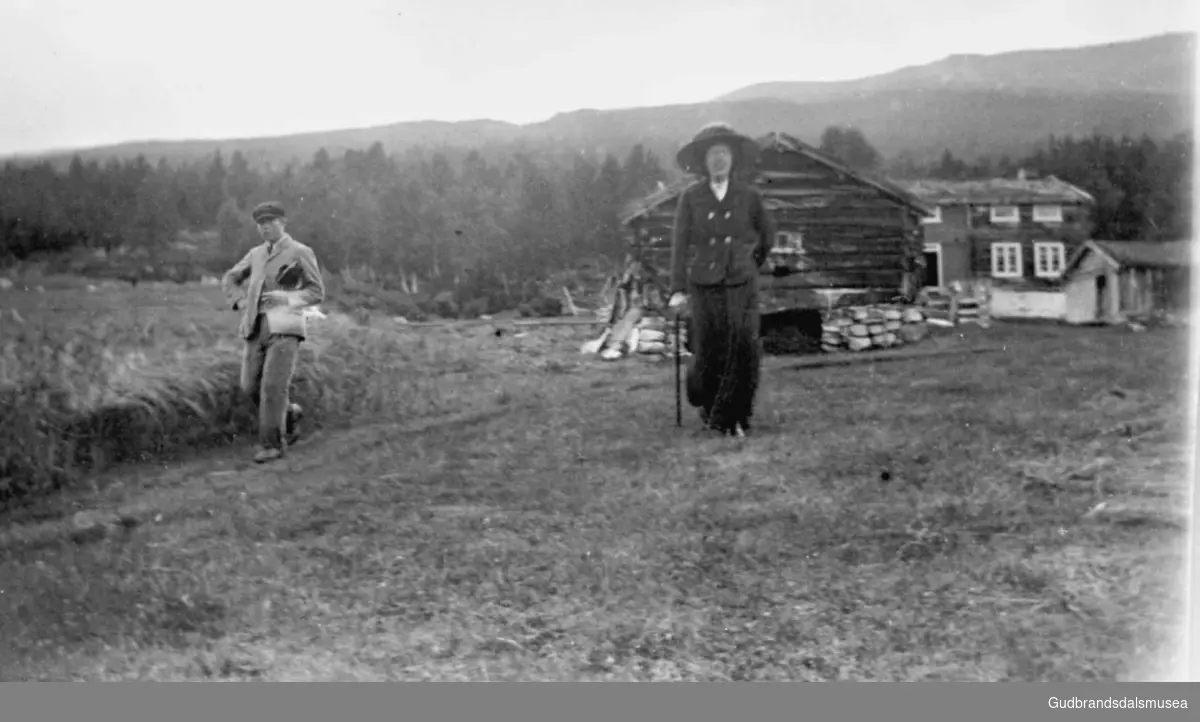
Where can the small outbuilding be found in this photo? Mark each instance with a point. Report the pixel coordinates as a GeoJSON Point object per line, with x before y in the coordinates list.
{"type": "Point", "coordinates": [1111, 282]}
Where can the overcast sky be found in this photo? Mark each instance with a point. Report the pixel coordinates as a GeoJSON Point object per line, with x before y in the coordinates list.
{"type": "Point", "coordinates": [88, 72]}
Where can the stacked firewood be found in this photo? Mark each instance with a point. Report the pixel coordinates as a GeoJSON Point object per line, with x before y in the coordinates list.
{"type": "Point", "coordinates": [638, 332]}
{"type": "Point", "coordinates": [635, 309]}
{"type": "Point", "coordinates": [859, 328]}
{"type": "Point", "coordinates": [656, 335]}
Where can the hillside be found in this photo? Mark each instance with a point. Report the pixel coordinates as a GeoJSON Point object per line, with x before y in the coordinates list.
{"type": "Point", "coordinates": [971, 105]}
{"type": "Point", "coordinates": [279, 150]}
{"type": "Point", "coordinates": [1160, 64]}
{"type": "Point", "coordinates": [970, 123]}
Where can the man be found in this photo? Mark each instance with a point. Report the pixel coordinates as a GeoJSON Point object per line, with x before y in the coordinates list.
{"type": "Point", "coordinates": [281, 278]}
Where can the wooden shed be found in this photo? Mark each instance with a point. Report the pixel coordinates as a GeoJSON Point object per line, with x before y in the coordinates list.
{"type": "Point", "coordinates": [842, 236]}
{"type": "Point", "coordinates": [1110, 282]}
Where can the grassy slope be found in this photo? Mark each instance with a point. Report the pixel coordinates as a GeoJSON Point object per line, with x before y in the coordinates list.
{"type": "Point", "coordinates": [161, 362]}
{"type": "Point", "coordinates": [541, 518]}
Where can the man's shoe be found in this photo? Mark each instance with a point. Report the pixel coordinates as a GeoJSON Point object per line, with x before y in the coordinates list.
{"type": "Point", "coordinates": [294, 415]}
{"type": "Point", "coordinates": [264, 455]}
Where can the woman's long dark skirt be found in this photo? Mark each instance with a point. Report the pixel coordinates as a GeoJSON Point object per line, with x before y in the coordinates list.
{"type": "Point", "coordinates": [723, 375]}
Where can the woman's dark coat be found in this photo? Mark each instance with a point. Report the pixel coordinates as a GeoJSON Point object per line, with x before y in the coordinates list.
{"type": "Point", "coordinates": [719, 242]}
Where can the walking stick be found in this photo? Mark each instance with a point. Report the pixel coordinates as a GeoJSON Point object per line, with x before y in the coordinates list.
{"type": "Point", "coordinates": [678, 393]}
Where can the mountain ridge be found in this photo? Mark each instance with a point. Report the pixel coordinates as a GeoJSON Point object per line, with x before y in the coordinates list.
{"type": "Point", "coordinates": [968, 104]}
{"type": "Point", "coordinates": [1160, 63]}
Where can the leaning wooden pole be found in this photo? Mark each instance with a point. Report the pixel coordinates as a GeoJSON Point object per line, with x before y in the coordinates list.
{"type": "Point", "coordinates": [678, 374]}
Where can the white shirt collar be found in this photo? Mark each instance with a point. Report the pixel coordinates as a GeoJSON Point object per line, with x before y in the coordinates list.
{"type": "Point", "coordinates": [719, 188]}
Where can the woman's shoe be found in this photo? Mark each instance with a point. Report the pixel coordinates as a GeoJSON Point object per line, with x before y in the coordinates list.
{"type": "Point", "coordinates": [267, 454]}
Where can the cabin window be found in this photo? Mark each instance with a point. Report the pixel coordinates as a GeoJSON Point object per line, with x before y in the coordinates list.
{"type": "Point", "coordinates": [1005, 214]}
{"type": "Point", "coordinates": [935, 217]}
{"type": "Point", "coordinates": [1047, 214]}
{"type": "Point", "coordinates": [789, 242]}
{"type": "Point", "coordinates": [1006, 260]}
{"type": "Point", "coordinates": [1049, 258]}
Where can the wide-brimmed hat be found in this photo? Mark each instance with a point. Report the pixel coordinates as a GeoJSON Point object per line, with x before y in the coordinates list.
{"type": "Point", "coordinates": [691, 156]}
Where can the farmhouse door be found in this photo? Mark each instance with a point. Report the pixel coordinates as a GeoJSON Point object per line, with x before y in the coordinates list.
{"type": "Point", "coordinates": [932, 278]}
{"type": "Point", "coordinates": [1102, 297]}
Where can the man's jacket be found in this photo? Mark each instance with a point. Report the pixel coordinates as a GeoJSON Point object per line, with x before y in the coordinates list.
{"type": "Point", "coordinates": [288, 266]}
{"type": "Point", "coordinates": [719, 242]}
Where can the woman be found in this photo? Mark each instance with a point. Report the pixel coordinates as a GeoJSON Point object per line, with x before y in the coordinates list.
{"type": "Point", "coordinates": [721, 237]}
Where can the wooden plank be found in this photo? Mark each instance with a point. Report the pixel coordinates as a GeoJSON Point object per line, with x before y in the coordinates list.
{"type": "Point", "coordinates": [499, 322]}
{"type": "Point", "coordinates": [773, 300]}
{"type": "Point", "coordinates": [890, 253]}
{"type": "Point", "coordinates": [833, 279]}
{"type": "Point", "coordinates": [450, 322]}
{"type": "Point", "coordinates": [799, 191]}
{"type": "Point", "coordinates": [851, 209]}
{"type": "Point", "coordinates": [836, 265]}
{"type": "Point", "coordinates": [833, 191]}
{"type": "Point", "coordinates": [849, 358]}
{"type": "Point", "coordinates": [865, 263]}
{"type": "Point", "coordinates": [823, 242]}
{"type": "Point", "coordinates": [815, 220]}
{"type": "Point", "coordinates": [774, 176]}
{"type": "Point", "coordinates": [567, 321]}
{"type": "Point", "coordinates": [834, 241]}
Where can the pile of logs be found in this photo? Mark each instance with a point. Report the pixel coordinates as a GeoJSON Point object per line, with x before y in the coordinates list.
{"type": "Point", "coordinates": [858, 328]}
{"type": "Point", "coordinates": [636, 324]}
{"type": "Point", "coordinates": [636, 333]}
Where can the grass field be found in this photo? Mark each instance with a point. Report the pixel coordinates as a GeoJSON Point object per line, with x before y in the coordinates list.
{"type": "Point", "coordinates": [483, 507]}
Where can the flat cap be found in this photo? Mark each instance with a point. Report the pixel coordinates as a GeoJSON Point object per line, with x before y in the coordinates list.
{"type": "Point", "coordinates": [268, 210]}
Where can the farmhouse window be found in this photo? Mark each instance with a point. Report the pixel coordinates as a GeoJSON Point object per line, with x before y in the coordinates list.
{"type": "Point", "coordinates": [935, 217]}
{"type": "Point", "coordinates": [1047, 214]}
{"type": "Point", "coordinates": [1005, 214]}
{"type": "Point", "coordinates": [1049, 257]}
{"type": "Point", "coordinates": [789, 241]}
{"type": "Point", "coordinates": [1006, 260]}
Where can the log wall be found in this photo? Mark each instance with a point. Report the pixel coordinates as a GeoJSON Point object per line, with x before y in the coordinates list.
{"type": "Point", "coordinates": [854, 237]}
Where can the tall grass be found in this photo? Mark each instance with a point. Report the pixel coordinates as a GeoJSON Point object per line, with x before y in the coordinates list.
{"type": "Point", "coordinates": [92, 379]}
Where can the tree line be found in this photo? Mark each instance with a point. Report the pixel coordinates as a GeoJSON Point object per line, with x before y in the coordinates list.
{"type": "Point", "coordinates": [503, 213]}
{"type": "Point", "coordinates": [438, 214]}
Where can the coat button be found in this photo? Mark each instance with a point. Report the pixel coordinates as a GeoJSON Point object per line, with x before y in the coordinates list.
{"type": "Point", "coordinates": [712, 215]}
{"type": "Point", "coordinates": [728, 240]}
{"type": "Point", "coordinates": [726, 214]}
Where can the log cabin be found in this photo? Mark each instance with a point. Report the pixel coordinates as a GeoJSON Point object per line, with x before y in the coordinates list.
{"type": "Point", "coordinates": [842, 236]}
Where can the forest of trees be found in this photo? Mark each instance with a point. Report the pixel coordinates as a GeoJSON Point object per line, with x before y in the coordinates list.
{"type": "Point", "coordinates": [517, 213]}
{"type": "Point", "coordinates": [435, 214]}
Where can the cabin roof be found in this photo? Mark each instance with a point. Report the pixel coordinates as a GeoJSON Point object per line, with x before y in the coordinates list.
{"type": "Point", "coordinates": [998, 191]}
{"type": "Point", "coordinates": [1137, 254]}
{"type": "Point", "coordinates": [782, 142]}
